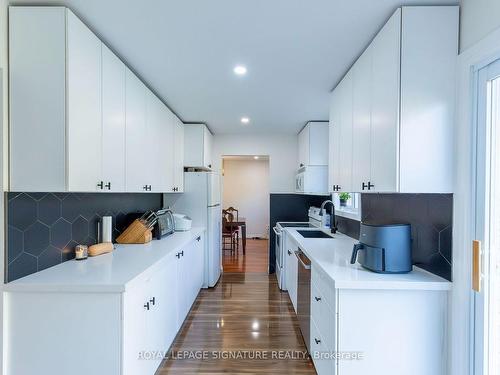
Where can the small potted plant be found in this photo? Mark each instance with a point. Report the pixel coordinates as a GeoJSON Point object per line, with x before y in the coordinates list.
{"type": "Point", "coordinates": [344, 197]}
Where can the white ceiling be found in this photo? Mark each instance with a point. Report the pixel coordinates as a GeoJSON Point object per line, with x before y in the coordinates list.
{"type": "Point", "coordinates": [185, 50]}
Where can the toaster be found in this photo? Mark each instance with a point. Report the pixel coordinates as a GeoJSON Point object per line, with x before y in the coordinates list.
{"type": "Point", "coordinates": [182, 222]}
{"type": "Point", "coordinates": [384, 248]}
{"type": "Point", "coordinates": [165, 224]}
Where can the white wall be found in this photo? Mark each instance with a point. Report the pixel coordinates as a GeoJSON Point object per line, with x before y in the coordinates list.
{"type": "Point", "coordinates": [478, 18]}
{"type": "Point", "coordinates": [246, 188]}
{"type": "Point", "coordinates": [281, 149]}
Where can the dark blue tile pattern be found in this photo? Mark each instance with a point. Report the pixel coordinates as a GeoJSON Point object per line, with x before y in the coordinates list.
{"type": "Point", "coordinates": [430, 216]}
{"type": "Point", "coordinates": [44, 228]}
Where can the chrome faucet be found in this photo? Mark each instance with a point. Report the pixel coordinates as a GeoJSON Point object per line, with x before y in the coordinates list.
{"type": "Point", "coordinates": [333, 227]}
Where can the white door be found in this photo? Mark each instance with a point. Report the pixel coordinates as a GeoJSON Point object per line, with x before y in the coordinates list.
{"type": "Point", "coordinates": [487, 160]}
{"type": "Point", "coordinates": [83, 107]}
{"type": "Point", "coordinates": [384, 132]}
{"type": "Point", "coordinates": [178, 154]}
{"type": "Point", "coordinates": [361, 120]}
{"type": "Point", "coordinates": [113, 121]}
{"type": "Point", "coordinates": [137, 147]}
{"type": "Point", "coordinates": [214, 244]}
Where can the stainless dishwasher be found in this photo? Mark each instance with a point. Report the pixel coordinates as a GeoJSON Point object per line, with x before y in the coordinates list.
{"type": "Point", "coordinates": [304, 295]}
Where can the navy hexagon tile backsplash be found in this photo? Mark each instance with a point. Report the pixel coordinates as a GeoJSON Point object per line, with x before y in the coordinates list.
{"type": "Point", "coordinates": [431, 219]}
{"type": "Point", "coordinates": [44, 228]}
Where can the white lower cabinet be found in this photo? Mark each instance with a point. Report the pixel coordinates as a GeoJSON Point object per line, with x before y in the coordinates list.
{"type": "Point", "coordinates": [376, 331]}
{"type": "Point", "coordinates": [105, 332]}
{"type": "Point", "coordinates": [190, 262]}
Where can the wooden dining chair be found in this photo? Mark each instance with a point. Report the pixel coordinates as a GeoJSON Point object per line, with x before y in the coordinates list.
{"type": "Point", "coordinates": [229, 232]}
{"type": "Point", "coordinates": [234, 211]}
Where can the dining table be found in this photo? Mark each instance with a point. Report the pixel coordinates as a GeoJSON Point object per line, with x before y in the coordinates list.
{"type": "Point", "coordinates": [240, 223]}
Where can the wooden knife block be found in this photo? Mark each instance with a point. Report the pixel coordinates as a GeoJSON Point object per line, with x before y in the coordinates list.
{"type": "Point", "coordinates": [135, 233]}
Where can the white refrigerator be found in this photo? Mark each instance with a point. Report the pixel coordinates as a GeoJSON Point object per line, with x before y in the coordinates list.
{"type": "Point", "coordinates": [201, 201]}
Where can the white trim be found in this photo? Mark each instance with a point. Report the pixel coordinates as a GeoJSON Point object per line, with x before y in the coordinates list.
{"type": "Point", "coordinates": [463, 211]}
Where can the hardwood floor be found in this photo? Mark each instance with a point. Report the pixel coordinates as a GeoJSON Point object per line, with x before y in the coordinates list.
{"type": "Point", "coordinates": [255, 260]}
{"type": "Point", "coordinates": [243, 317]}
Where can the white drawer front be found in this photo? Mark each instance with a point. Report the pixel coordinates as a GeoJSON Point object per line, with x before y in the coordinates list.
{"type": "Point", "coordinates": [323, 317]}
{"type": "Point", "coordinates": [325, 286]}
{"type": "Point", "coordinates": [320, 353]}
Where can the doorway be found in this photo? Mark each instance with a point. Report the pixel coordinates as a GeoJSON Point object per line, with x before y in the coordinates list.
{"type": "Point", "coordinates": [486, 249]}
{"type": "Point", "coordinates": [245, 200]}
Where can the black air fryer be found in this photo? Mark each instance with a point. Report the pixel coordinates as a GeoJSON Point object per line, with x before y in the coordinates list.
{"type": "Point", "coordinates": [384, 248]}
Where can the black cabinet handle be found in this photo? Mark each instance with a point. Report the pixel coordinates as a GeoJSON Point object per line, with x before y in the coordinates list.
{"type": "Point", "coordinates": [153, 301]}
{"type": "Point", "coordinates": [108, 186]}
{"type": "Point", "coordinates": [100, 185]}
{"type": "Point", "coordinates": [317, 340]}
{"type": "Point", "coordinates": [370, 185]}
{"type": "Point", "coordinates": [301, 165]}
{"type": "Point", "coordinates": [198, 238]}
{"type": "Point", "coordinates": [145, 187]}
{"type": "Point", "coordinates": [289, 252]}
{"type": "Point", "coordinates": [146, 306]}
{"type": "Point", "coordinates": [317, 299]}
{"type": "Point", "coordinates": [149, 187]}
{"type": "Point", "coordinates": [364, 186]}
{"type": "Point", "coordinates": [210, 166]}
{"type": "Point", "coordinates": [182, 253]}
{"type": "Point", "coordinates": [178, 255]}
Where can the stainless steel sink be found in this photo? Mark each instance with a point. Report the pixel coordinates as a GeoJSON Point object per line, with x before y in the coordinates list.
{"type": "Point", "coordinates": [313, 234]}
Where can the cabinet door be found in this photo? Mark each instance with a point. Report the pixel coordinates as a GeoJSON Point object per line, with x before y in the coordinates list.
{"type": "Point", "coordinates": [83, 84]}
{"type": "Point", "coordinates": [385, 106]}
{"type": "Point", "coordinates": [134, 331]}
{"type": "Point", "coordinates": [361, 112]}
{"type": "Point", "coordinates": [345, 135]}
{"type": "Point", "coordinates": [160, 135]}
{"type": "Point", "coordinates": [37, 96]}
{"type": "Point", "coordinates": [207, 147]}
{"type": "Point", "coordinates": [113, 121]}
{"type": "Point", "coordinates": [318, 143]}
{"type": "Point", "coordinates": [304, 147]}
{"type": "Point", "coordinates": [162, 324]}
{"type": "Point", "coordinates": [183, 274]}
{"type": "Point", "coordinates": [178, 154]}
{"type": "Point", "coordinates": [137, 148]}
{"type": "Point", "coordinates": [334, 142]}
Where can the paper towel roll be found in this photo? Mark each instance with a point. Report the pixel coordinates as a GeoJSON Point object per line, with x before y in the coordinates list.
{"type": "Point", "coordinates": [107, 229]}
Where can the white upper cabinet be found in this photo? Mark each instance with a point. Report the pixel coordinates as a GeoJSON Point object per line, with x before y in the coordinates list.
{"type": "Point", "coordinates": [113, 121]}
{"type": "Point", "coordinates": [84, 135]}
{"type": "Point", "coordinates": [197, 146]}
{"type": "Point", "coordinates": [37, 90]}
{"type": "Point", "coordinates": [396, 125]}
{"type": "Point", "coordinates": [79, 119]}
{"type": "Point", "coordinates": [137, 145]}
{"type": "Point", "coordinates": [313, 144]}
{"type": "Point", "coordinates": [178, 155]}
{"type": "Point", "coordinates": [384, 132]}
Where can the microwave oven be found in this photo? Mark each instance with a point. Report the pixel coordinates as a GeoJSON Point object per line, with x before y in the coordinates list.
{"type": "Point", "coordinates": [312, 179]}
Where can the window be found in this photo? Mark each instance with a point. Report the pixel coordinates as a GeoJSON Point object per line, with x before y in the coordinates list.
{"type": "Point", "coordinates": [350, 208]}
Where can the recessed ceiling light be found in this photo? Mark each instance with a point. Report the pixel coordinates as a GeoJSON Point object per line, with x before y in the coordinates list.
{"type": "Point", "coordinates": [245, 120]}
{"type": "Point", "coordinates": [256, 157]}
{"type": "Point", "coordinates": [240, 70]}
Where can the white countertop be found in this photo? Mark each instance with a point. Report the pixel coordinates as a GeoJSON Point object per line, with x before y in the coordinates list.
{"type": "Point", "coordinates": [107, 273]}
{"type": "Point", "coordinates": [333, 257]}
